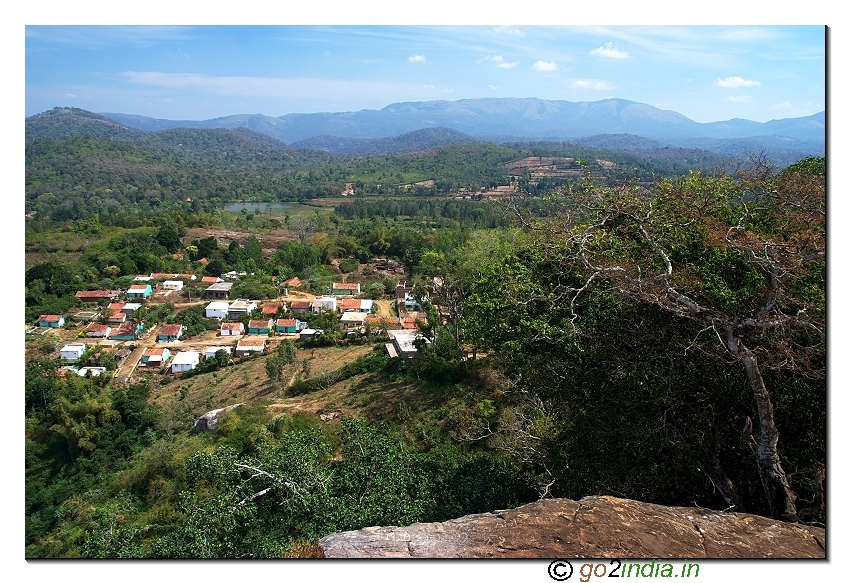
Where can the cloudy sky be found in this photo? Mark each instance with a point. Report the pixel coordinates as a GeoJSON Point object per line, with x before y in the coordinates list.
{"type": "Point", "coordinates": [707, 73]}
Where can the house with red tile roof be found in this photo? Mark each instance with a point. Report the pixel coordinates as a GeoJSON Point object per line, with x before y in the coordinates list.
{"type": "Point", "coordinates": [286, 326]}
{"type": "Point", "coordinates": [248, 346]}
{"type": "Point", "coordinates": [260, 327]}
{"type": "Point", "coordinates": [51, 321]}
{"type": "Point", "coordinates": [98, 330]}
{"type": "Point", "coordinates": [170, 332]}
{"type": "Point", "coordinates": [97, 295]}
{"type": "Point", "coordinates": [345, 289]}
{"type": "Point", "coordinates": [232, 329]}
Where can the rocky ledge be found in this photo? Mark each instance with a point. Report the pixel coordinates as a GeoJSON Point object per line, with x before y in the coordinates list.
{"type": "Point", "coordinates": [596, 527]}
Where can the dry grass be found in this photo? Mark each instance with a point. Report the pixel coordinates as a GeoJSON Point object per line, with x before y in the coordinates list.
{"type": "Point", "coordinates": [183, 400]}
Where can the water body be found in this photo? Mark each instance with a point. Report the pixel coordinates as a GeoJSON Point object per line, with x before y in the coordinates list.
{"type": "Point", "coordinates": [237, 207]}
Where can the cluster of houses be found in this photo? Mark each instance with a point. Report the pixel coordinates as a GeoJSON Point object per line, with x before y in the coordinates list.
{"type": "Point", "coordinates": [276, 318]}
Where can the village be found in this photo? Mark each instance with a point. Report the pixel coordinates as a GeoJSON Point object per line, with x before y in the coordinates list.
{"type": "Point", "coordinates": [243, 327]}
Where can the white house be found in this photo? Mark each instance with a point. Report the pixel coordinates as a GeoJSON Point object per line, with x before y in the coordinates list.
{"type": "Point", "coordinates": [184, 361]}
{"type": "Point", "coordinates": [403, 343]}
{"type": "Point", "coordinates": [309, 333]}
{"type": "Point", "coordinates": [94, 370]}
{"type": "Point", "coordinates": [240, 307]}
{"type": "Point", "coordinates": [324, 303]}
{"type": "Point", "coordinates": [216, 310]}
{"type": "Point", "coordinates": [353, 319]}
{"type": "Point", "coordinates": [172, 284]}
{"type": "Point", "coordinates": [211, 350]}
{"type": "Point", "coordinates": [72, 352]}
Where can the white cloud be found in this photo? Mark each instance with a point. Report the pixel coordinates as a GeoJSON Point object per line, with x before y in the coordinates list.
{"type": "Point", "coordinates": [784, 106]}
{"type": "Point", "coordinates": [593, 84]}
{"type": "Point", "coordinates": [735, 82]}
{"type": "Point", "coordinates": [610, 51]}
{"type": "Point", "coordinates": [500, 62]}
{"type": "Point", "coordinates": [545, 66]}
{"type": "Point", "coordinates": [417, 59]}
{"type": "Point", "coordinates": [301, 88]}
{"type": "Point", "coordinates": [509, 31]}
{"type": "Point", "coordinates": [493, 87]}
{"type": "Point", "coordinates": [741, 98]}
{"type": "Point", "coordinates": [428, 87]}
{"type": "Point", "coordinates": [72, 96]}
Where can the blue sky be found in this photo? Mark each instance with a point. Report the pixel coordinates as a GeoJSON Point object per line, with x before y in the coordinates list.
{"type": "Point", "coordinates": [707, 73]}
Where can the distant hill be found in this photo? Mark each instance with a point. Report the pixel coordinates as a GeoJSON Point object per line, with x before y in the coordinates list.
{"type": "Point", "coordinates": [500, 119]}
{"type": "Point", "coordinates": [415, 141]}
{"type": "Point", "coordinates": [67, 122]}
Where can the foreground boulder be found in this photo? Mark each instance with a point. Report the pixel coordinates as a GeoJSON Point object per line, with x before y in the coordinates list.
{"type": "Point", "coordinates": [595, 526]}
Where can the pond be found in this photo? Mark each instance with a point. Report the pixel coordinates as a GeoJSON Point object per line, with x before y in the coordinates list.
{"type": "Point", "coordinates": [237, 207]}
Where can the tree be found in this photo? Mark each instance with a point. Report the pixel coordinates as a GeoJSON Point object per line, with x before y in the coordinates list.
{"type": "Point", "coordinates": [742, 256]}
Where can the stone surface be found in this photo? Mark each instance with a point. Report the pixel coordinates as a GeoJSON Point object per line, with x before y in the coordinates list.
{"type": "Point", "coordinates": [208, 422]}
{"type": "Point", "coordinates": [593, 527]}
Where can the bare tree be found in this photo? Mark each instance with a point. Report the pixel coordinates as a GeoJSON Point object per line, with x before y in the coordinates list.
{"type": "Point", "coordinates": [730, 253]}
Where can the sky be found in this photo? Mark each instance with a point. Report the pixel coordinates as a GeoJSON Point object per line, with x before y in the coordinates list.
{"type": "Point", "coordinates": [707, 73]}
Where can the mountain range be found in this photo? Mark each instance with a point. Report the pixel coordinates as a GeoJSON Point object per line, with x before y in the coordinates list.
{"type": "Point", "coordinates": [609, 123]}
{"type": "Point", "coordinates": [498, 119]}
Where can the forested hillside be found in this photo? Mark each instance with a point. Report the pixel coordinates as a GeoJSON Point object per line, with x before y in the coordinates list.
{"type": "Point", "coordinates": [634, 327]}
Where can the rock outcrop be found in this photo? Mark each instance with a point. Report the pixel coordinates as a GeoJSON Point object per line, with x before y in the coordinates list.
{"type": "Point", "coordinates": [593, 527]}
{"type": "Point", "coordinates": [209, 421]}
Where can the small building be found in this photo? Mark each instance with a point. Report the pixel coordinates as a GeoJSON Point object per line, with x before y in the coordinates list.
{"type": "Point", "coordinates": [216, 310]}
{"type": "Point", "coordinates": [286, 326]}
{"type": "Point", "coordinates": [248, 346]}
{"type": "Point", "coordinates": [189, 276]}
{"type": "Point", "coordinates": [345, 289]}
{"type": "Point", "coordinates": [323, 303]}
{"type": "Point", "coordinates": [239, 308]}
{"type": "Point", "coordinates": [94, 371]}
{"type": "Point", "coordinates": [271, 308]}
{"type": "Point", "coordinates": [114, 316]}
{"type": "Point", "coordinates": [163, 275]}
{"type": "Point", "coordinates": [300, 306]}
{"type": "Point", "coordinates": [97, 295]}
{"type": "Point", "coordinates": [308, 333]}
{"type": "Point", "coordinates": [142, 278]}
{"type": "Point", "coordinates": [126, 331]}
{"type": "Point", "coordinates": [172, 284]}
{"type": "Point", "coordinates": [184, 361]}
{"type": "Point", "coordinates": [219, 291]}
{"type": "Point", "coordinates": [99, 330]}
{"type": "Point", "coordinates": [72, 352]}
{"type": "Point", "coordinates": [356, 305]}
{"type": "Point", "coordinates": [210, 279]}
{"type": "Point", "coordinates": [155, 356]}
{"type": "Point", "coordinates": [211, 351]}
{"type": "Point", "coordinates": [293, 282]}
{"type": "Point", "coordinates": [403, 343]}
{"type": "Point", "coordinates": [353, 319]}
{"type": "Point", "coordinates": [260, 327]}
{"type": "Point", "coordinates": [170, 332]}
{"type": "Point", "coordinates": [139, 291]}
{"type": "Point", "coordinates": [232, 329]}
{"type": "Point", "coordinates": [130, 308]}
{"type": "Point", "coordinates": [51, 321]}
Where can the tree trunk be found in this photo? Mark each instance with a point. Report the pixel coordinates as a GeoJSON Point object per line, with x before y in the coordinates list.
{"type": "Point", "coordinates": [711, 466]}
{"type": "Point", "coordinates": [780, 497]}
